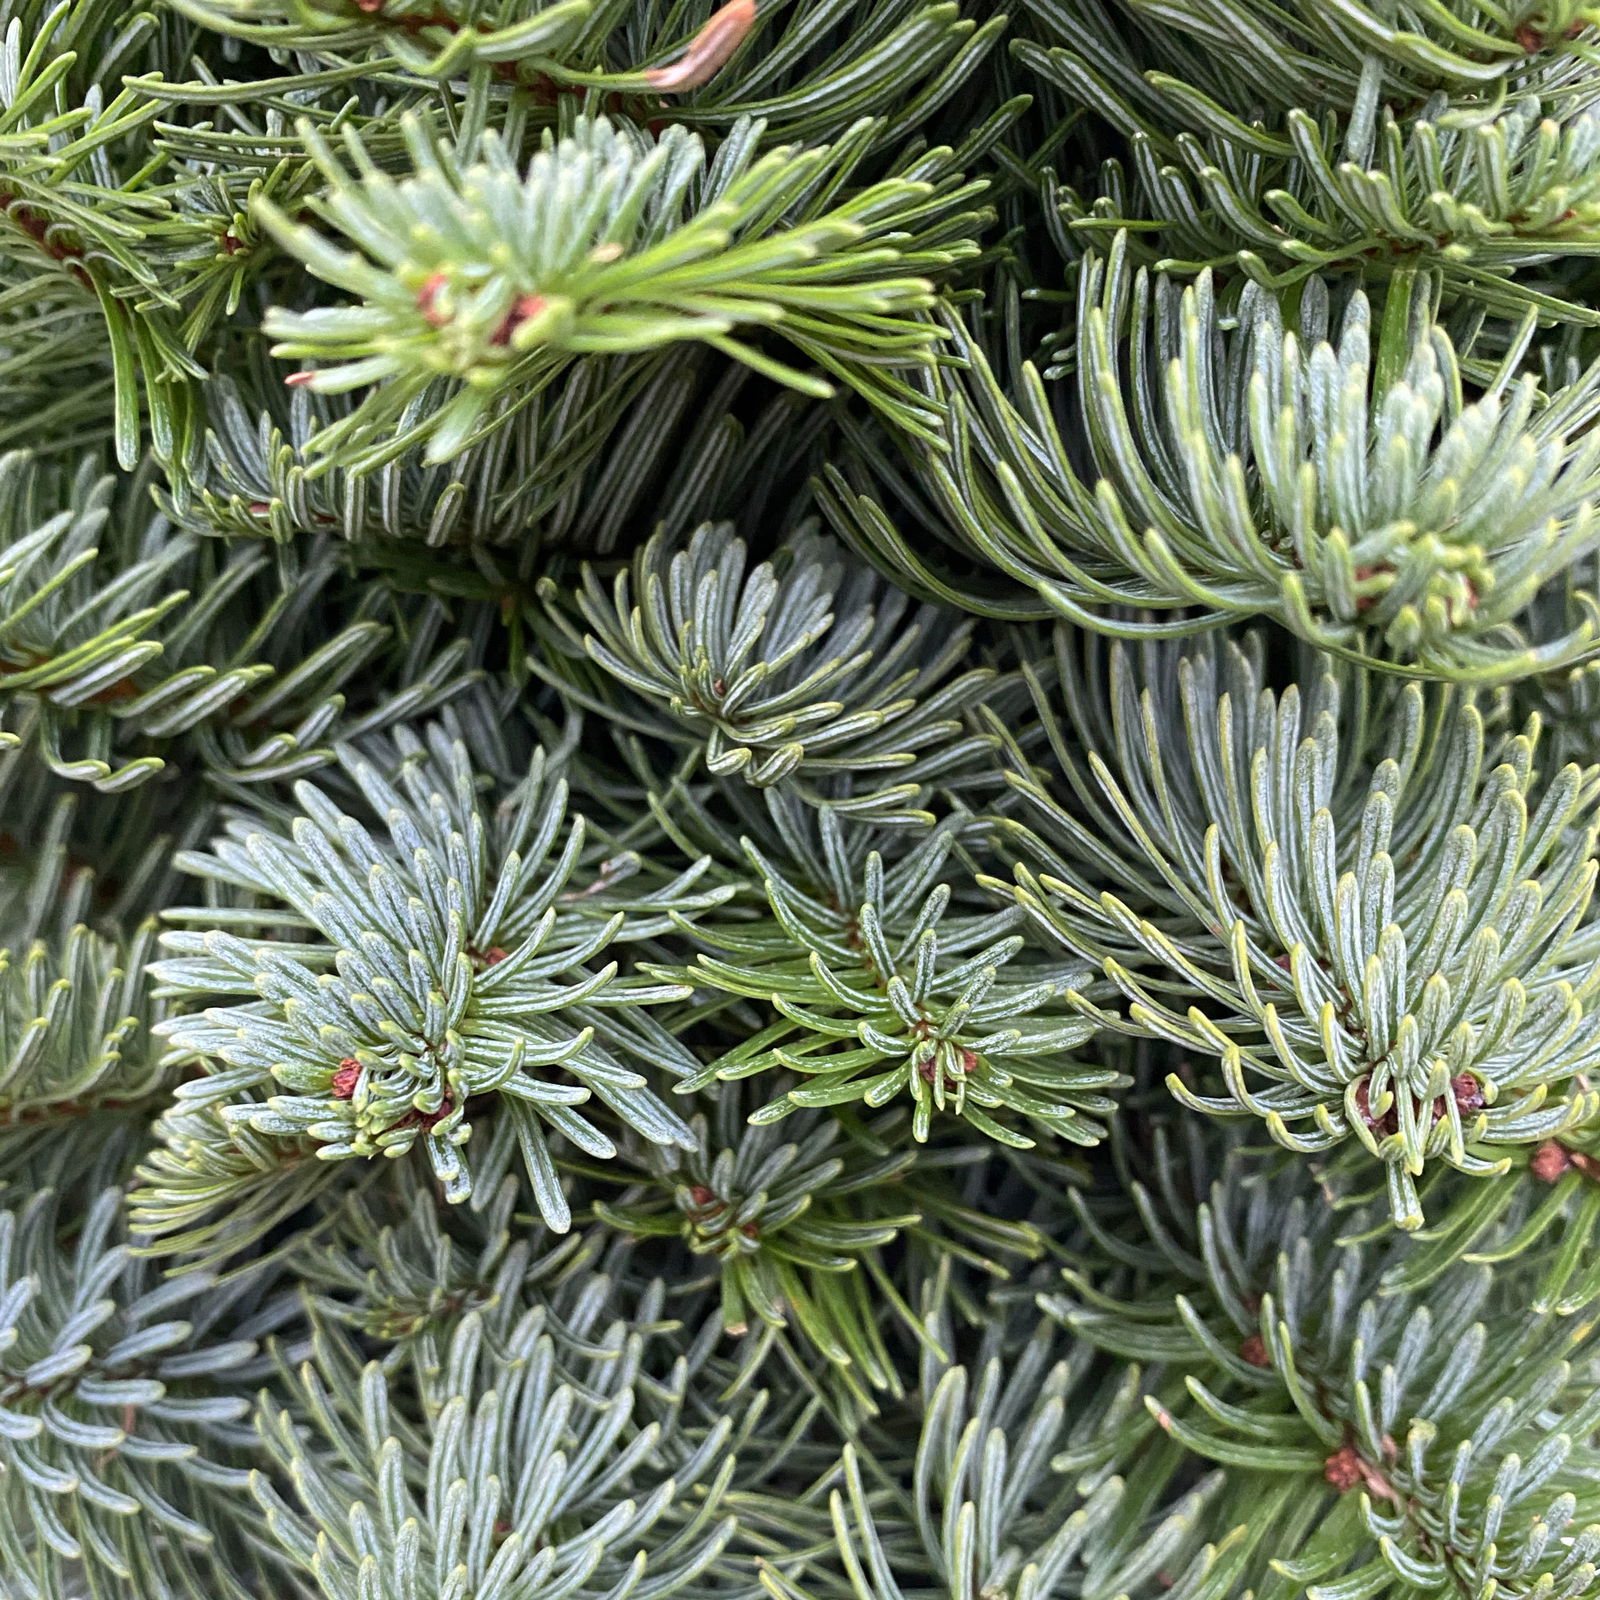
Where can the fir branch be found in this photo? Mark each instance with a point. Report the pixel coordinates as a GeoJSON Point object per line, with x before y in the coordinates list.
{"type": "Point", "coordinates": [609, 243]}
{"type": "Point", "coordinates": [1342, 479]}
{"type": "Point", "coordinates": [1547, 1209]}
{"type": "Point", "coordinates": [614, 441]}
{"type": "Point", "coordinates": [1375, 927]}
{"type": "Point", "coordinates": [1008, 1479]}
{"type": "Point", "coordinates": [120, 1396]}
{"type": "Point", "coordinates": [79, 211]}
{"type": "Point", "coordinates": [511, 1479]}
{"type": "Point", "coordinates": [798, 1225]}
{"type": "Point", "coordinates": [1309, 54]}
{"type": "Point", "coordinates": [74, 1027]}
{"type": "Point", "coordinates": [450, 962]}
{"type": "Point", "coordinates": [808, 70]}
{"type": "Point", "coordinates": [69, 855]}
{"type": "Point", "coordinates": [1395, 1447]}
{"type": "Point", "coordinates": [395, 1267]}
{"type": "Point", "coordinates": [1486, 196]}
{"type": "Point", "coordinates": [800, 668]}
{"type": "Point", "coordinates": [211, 1188]}
{"type": "Point", "coordinates": [972, 945]}
{"type": "Point", "coordinates": [102, 647]}
{"type": "Point", "coordinates": [887, 988]}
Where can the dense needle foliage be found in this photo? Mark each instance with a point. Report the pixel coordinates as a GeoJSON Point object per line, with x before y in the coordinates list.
{"type": "Point", "coordinates": [799, 800]}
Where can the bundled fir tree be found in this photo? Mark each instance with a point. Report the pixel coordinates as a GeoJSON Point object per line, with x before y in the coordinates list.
{"type": "Point", "coordinates": [799, 800]}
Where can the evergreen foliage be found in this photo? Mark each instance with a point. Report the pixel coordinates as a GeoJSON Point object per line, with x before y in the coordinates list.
{"type": "Point", "coordinates": [799, 799]}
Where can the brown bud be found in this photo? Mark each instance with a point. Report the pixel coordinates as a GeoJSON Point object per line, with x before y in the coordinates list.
{"type": "Point", "coordinates": [346, 1078]}
{"type": "Point", "coordinates": [1254, 1350]}
{"type": "Point", "coordinates": [428, 1120]}
{"type": "Point", "coordinates": [1382, 1126]}
{"type": "Point", "coordinates": [1362, 574]}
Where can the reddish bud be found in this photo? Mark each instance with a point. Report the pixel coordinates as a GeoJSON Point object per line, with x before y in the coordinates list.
{"type": "Point", "coordinates": [1254, 1350]}
{"type": "Point", "coordinates": [1467, 1093]}
{"type": "Point", "coordinates": [346, 1078]}
{"type": "Point", "coordinates": [527, 307]}
{"type": "Point", "coordinates": [298, 380]}
{"type": "Point", "coordinates": [1550, 1161]}
{"type": "Point", "coordinates": [1343, 1469]}
{"type": "Point", "coordinates": [701, 1195]}
{"type": "Point", "coordinates": [428, 301]}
